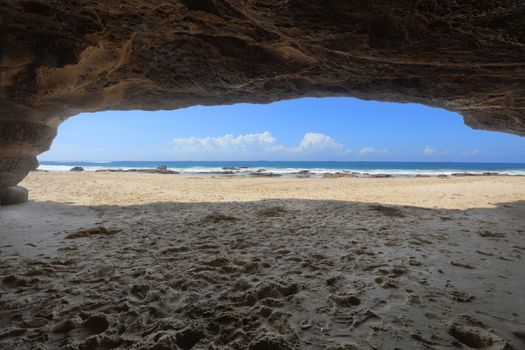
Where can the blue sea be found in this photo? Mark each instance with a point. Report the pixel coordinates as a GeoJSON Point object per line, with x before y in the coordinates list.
{"type": "Point", "coordinates": [290, 167]}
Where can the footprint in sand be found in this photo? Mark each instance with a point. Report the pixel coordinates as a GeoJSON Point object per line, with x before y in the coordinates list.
{"type": "Point", "coordinates": [343, 300]}
{"type": "Point", "coordinates": [475, 334]}
{"type": "Point", "coordinates": [92, 325]}
{"type": "Point", "coordinates": [273, 211]}
{"type": "Point", "coordinates": [217, 217]}
{"type": "Point", "coordinates": [94, 231]}
{"type": "Point", "coordinates": [461, 296]}
{"type": "Point", "coordinates": [461, 264]}
{"type": "Point", "coordinates": [490, 234]}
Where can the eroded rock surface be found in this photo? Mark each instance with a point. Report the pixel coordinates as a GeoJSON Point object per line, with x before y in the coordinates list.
{"type": "Point", "coordinates": [59, 58]}
{"type": "Point", "coordinates": [13, 195]}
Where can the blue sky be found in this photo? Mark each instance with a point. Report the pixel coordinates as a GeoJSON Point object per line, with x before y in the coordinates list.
{"type": "Point", "coordinates": [302, 129]}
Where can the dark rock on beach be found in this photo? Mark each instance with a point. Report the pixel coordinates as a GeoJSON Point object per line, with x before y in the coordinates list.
{"type": "Point", "coordinates": [110, 171]}
{"type": "Point", "coordinates": [380, 176]}
{"type": "Point", "coordinates": [158, 170]}
{"type": "Point", "coordinates": [338, 175]}
{"type": "Point", "coordinates": [476, 174]}
{"type": "Point", "coordinates": [302, 174]}
{"type": "Point", "coordinates": [263, 174]}
{"type": "Point", "coordinates": [231, 168]}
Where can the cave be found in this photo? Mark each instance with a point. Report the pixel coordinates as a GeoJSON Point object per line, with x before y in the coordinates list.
{"type": "Point", "coordinates": [58, 59]}
{"type": "Point", "coordinates": [153, 261]}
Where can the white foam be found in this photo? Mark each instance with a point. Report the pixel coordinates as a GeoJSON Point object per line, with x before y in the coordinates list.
{"type": "Point", "coordinates": [290, 171]}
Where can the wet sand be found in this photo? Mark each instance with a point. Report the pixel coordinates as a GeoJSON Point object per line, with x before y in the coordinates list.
{"type": "Point", "coordinates": [149, 261]}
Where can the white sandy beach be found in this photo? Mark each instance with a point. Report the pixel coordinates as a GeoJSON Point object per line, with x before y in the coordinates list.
{"type": "Point", "coordinates": [90, 188]}
{"type": "Point", "coordinates": [149, 261]}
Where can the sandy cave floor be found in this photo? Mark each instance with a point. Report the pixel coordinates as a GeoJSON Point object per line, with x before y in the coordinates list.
{"type": "Point", "coordinates": [418, 266]}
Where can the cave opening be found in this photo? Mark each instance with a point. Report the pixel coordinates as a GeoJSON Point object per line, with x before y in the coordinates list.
{"type": "Point", "coordinates": [301, 130]}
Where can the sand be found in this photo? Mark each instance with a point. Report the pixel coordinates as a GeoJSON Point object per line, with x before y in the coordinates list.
{"type": "Point", "coordinates": [149, 261]}
{"type": "Point", "coordinates": [130, 188]}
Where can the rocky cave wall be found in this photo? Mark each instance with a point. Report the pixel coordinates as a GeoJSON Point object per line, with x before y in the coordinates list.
{"type": "Point", "coordinates": [59, 58]}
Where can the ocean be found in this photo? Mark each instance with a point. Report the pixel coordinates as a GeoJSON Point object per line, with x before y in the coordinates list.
{"type": "Point", "coordinates": [318, 168]}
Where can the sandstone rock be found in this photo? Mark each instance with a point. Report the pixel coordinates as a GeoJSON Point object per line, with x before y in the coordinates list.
{"type": "Point", "coordinates": [77, 169]}
{"type": "Point", "coordinates": [59, 58]}
{"type": "Point", "coordinates": [13, 195]}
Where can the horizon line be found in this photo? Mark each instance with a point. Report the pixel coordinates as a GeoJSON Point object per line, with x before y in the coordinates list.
{"type": "Point", "coordinates": [296, 161]}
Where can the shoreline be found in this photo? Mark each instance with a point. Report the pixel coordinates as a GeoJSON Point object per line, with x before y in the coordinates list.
{"type": "Point", "coordinates": [296, 173]}
{"type": "Point", "coordinates": [302, 169]}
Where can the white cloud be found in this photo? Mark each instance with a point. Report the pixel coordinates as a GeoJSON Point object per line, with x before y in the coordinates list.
{"type": "Point", "coordinates": [315, 142]}
{"type": "Point", "coordinates": [242, 144]}
{"type": "Point", "coordinates": [256, 146]}
{"type": "Point", "coordinates": [367, 151]}
{"type": "Point", "coordinates": [429, 151]}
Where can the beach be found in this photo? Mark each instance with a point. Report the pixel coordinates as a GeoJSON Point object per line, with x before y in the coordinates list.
{"type": "Point", "coordinates": [111, 260]}
{"type": "Point", "coordinates": [105, 188]}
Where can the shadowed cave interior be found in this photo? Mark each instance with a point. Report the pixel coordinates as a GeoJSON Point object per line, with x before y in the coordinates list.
{"type": "Point", "coordinates": [328, 274]}
{"type": "Point", "coordinates": [59, 59]}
